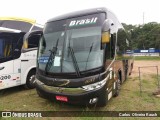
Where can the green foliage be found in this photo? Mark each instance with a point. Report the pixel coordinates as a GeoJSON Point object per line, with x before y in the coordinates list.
{"type": "Point", "coordinates": [147, 58]}
{"type": "Point", "coordinates": [144, 36]}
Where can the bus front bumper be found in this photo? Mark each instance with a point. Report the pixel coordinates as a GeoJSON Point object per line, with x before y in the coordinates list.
{"type": "Point", "coordinates": [80, 96]}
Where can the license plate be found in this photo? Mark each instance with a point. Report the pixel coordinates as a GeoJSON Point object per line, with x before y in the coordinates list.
{"type": "Point", "coordinates": [62, 98]}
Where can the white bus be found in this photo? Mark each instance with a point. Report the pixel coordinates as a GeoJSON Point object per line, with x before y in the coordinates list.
{"type": "Point", "coordinates": [18, 51]}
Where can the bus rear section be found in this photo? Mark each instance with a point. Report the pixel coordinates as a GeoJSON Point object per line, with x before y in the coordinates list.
{"type": "Point", "coordinates": [76, 58]}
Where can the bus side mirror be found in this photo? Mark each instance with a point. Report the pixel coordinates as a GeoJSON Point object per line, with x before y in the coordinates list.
{"type": "Point", "coordinates": [25, 44]}
{"type": "Point", "coordinates": [105, 37]}
{"type": "Point", "coordinates": [16, 53]}
{"type": "Point", "coordinates": [106, 31]}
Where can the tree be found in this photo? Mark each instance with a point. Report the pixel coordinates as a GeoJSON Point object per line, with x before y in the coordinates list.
{"type": "Point", "coordinates": [144, 36]}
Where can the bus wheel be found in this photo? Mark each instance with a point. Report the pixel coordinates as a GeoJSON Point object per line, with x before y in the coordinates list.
{"type": "Point", "coordinates": [30, 80]}
{"type": "Point", "coordinates": [131, 69]}
{"type": "Point", "coordinates": [118, 85]}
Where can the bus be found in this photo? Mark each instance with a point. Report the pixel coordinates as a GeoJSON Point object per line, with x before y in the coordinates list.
{"type": "Point", "coordinates": [80, 58]}
{"type": "Point", "coordinates": [19, 39]}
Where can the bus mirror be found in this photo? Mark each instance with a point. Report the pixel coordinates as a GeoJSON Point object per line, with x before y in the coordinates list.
{"type": "Point", "coordinates": [106, 31]}
{"type": "Point", "coordinates": [105, 37]}
{"type": "Point", "coordinates": [107, 25]}
{"type": "Point", "coordinates": [25, 44]}
{"type": "Point", "coordinates": [16, 53]}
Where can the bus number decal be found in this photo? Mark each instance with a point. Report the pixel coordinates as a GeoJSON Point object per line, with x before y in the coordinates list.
{"type": "Point", "coordinates": [5, 77]}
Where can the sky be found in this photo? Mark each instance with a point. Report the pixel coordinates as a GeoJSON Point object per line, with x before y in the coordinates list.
{"type": "Point", "coordinates": [127, 11]}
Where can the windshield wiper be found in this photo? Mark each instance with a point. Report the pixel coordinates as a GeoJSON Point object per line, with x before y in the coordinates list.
{"type": "Point", "coordinates": [74, 61]}
{"type": "Point", "coordinates": [51, 57]}
{"type": "Point", "coordinates": [74, 58]}
{"type": "Point", "coordinates": [89, 55]}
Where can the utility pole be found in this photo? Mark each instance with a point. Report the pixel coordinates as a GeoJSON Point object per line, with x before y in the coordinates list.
{"type": "Point", "coordinates": [143, 18]}
{"type": "Point", "coordinates": [143, 25]}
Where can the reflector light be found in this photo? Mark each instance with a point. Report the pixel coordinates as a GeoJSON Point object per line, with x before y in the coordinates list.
{"type": "Point", "coordinates": [62, 98]}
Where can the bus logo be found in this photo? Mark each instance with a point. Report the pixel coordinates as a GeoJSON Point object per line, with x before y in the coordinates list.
{"type": "Point", "coordinates": [83, 22]}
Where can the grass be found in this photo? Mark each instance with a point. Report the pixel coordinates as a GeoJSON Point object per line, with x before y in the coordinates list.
{"type": "Point", "coordinates": [147, 58]}
{"type": "Point", "coordinates": [130, 99]}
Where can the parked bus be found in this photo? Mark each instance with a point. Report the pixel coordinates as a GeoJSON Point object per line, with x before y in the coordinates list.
{"type": "Point", "coordinates": [18, 51]}
{"type": "Point", "coordinates": [80, 58]}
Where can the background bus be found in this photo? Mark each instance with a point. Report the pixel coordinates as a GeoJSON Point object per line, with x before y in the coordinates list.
{"type": "Point", "coordinates": [18, 51]}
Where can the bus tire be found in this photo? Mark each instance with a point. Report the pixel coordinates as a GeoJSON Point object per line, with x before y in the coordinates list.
{"type": "Point", "coordinates": [30, 80]}
{"type": "Point", "coordinates": [131, 69]}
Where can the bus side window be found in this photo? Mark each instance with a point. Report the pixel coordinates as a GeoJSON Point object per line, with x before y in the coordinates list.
{"type": "Point", "coordinates": [5, 47]}
{"type": "Point", "coordinates": [1, 48]}
{"type": "Point", "coordinates": [113, 45]}
{"type": "Point", "coordinates": [33, 40]}
{"type": "Point", "coordinates": [110, 48]}
{"type": "Point", "coordinates": [10, 46]}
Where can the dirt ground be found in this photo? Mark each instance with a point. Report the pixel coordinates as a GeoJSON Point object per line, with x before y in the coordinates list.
{"type": "Point", "coordinates": [148, 70]}
{"type": "Point", "coordinates": [149, 67]}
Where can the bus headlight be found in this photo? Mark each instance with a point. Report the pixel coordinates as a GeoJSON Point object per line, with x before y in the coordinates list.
{"type": "Point", "coordinates": [94, 86]}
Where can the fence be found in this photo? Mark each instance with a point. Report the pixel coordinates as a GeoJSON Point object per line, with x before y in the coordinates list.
{"type": "Point", "coordinates": [158, 81]}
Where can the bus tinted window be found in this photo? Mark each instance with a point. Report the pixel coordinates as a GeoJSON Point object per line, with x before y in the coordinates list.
{"type": "Point", "coordinates": [8, 43]}
{"type": "Point", "coordinates": [1, 48]}
{"type": "Point", "coordinates": [6, 46]}
{"type": "Point", "coordinates": [33, 41]}
{"type": "Point", "coordinates": [18, 25]}
{"type": "Point", "coordinates": [55, 26]}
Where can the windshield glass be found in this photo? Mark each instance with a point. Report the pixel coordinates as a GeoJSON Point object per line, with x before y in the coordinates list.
{"type": "Point", "coordinates": [68, 46]}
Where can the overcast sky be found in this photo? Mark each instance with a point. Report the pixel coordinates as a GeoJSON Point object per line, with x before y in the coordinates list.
{"type": "Point", "coordinates": [127, 11]}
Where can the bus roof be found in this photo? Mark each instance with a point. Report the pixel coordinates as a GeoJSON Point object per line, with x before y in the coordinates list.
{"type": "Point", "coordinates": [79, 13]}
{"type": "Point", "coordinates": [31, 21]}
{"type": "Point", "coordinates": [18, 24]}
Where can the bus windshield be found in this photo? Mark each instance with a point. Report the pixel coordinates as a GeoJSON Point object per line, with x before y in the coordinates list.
{"type": "Point", "coordinates": [68, 46]}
